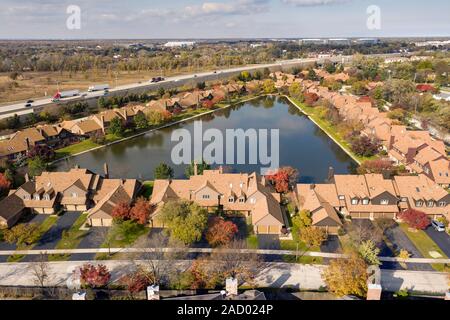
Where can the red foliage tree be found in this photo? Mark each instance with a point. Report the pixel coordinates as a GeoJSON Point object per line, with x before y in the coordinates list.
{"type": "Point", "coordinates": [136, 282]}
{"type": "Point", "coordinates": [415, 219]}
{"type": "Point", "coordinates": [310, 98]}
{"type": "Point", "coordinates": [376, 166]}
{"type": "Point", "coordinates": [121, 211]}
{"type": "Point", "coordinates": [5, 184]}
{"type": "Point", "coordinates": [141, 211]}
{"type": "Point", "coordinates": [220, 232]}
{"type": "Point", "coordinates": [94, 276]}
{"type": "Point", "coordinates": [283, 178]}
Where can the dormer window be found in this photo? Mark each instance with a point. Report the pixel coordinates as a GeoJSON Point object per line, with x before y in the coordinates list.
{"type": "Point", "coordinates": [419, 203]}
{"type": "Point", "coordinates": [384, 201]}
{"type": "Point", "coordinates": [442, 204]}
{"type": "Point", "coordinates": [37, 197]}
{"type": "Point", "coordinates": [430, 203]}
{"type": "Point", "coordinates": [74, 195]}
{"type": "Point", "coordinates": [205, 196]}
{"type": "Point", "coordinates": [241, 200]}
{"type": "Point", "coordinates": [341, 197]}
{"type": "Point", "coordinates": [230, 199]}
{"type": "Point", "coordinates": [355, 201]}
{"type": "Point", "coordinates": [46, 196]}
{"type": "Point", "coordinates": [365, 201]}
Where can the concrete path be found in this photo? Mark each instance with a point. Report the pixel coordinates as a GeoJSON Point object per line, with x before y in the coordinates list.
{"type": "Point", "coordinates": [274, 274]}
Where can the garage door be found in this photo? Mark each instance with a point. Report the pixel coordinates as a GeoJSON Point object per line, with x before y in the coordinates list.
{"type": "Point", "coordinates": [70, 207]}
{"type": "Point", "coordinates": [274, 229]}
{"type": "Point", "coordinates": [261, 229]}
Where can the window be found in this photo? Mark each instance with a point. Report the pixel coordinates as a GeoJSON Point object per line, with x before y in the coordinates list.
{"type": "Point", "coordinates": [404, 199]}
{"type": "Point", "coordinates": [37, 197]}
{"type": "Point", "coordinates": [365, 201]}
{"type": "Point", "coordinates": [384, 201]}
{"type": "Point", "coordinates": [241, 200]}
{"type": "Point", "coordinates": [205, 196]}
{"type": "Point", "coordinates": [430, 203]}
{"type": "Point", "coordinates": [74, 195]}
{"type": "Point", "coordinates": [341, 197]}
{"type": "Point", "coordinates": [354, 201]}
{"type": "Point", "coordinates": [419, 203]}
{"type": "Point", "coordinates": [442, 204]}
{"type": "Point", "coordinates": [230, 199]}
{"type": "Point", "coordinates": [46, 197]}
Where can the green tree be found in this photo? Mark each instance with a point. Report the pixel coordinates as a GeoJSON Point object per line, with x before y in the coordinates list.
{"type": "Point", "coordinates": [116, 127]}
{"type": "Point", "coordinates": [163, 171]}
{"type": "Point", "coordinates": [140, 121]}
{"type": "Point", "coordinates": [200, 168]}
{"type": "Point", "coordinates": [369, 252]}
{"type": "Point", "coordinates": [36, 166]}
{"type": "Point", "coordinates": [186, 220]}
{"type": "Point", "coordinates": [268, 86]}
{"type": "Point", "coordinates": [303, 219]}
{"type": "Point", "coordinates": [296, 92]}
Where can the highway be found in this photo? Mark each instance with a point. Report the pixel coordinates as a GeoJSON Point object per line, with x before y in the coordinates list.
{"type": "Point", "coordinates": [38, 105]}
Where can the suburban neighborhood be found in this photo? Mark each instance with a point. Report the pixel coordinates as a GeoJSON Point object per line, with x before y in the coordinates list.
{"type": "Point", "coordinates": [179, 152]}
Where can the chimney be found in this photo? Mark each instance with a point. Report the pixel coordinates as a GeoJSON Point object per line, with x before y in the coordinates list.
{"type": "Point", "coordinates": [27, 143]}
{"type": "Point", "coordinates": [102, 123]}
{"type": "Point", "coordinates": [106, 170]}
{"type": "Point", "coordinates": [330, 174]}
{"type": "Point", "coordinates": [231, 286]}
{"type": "Point", "coordinates": [195, 168]}
{"type": "Point", "coordinates": [374, 288]}
{"type": "Point", "coordinates": [27, 177]}
{"type": "Point", "coordinates": [153, 292]}
{"type": "Point", "coordinates": [391, 142]}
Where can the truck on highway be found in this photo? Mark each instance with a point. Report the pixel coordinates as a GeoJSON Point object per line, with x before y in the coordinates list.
{"type": "Point", "coordinates": [65, 94]}
{"type": "Point", "coordinates": [98, 87]}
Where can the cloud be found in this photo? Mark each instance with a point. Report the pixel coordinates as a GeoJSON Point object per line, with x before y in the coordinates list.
{"type": "Point", "coordinates": [240, 7]}
{"type": "Point", "coordinates": [313, 3]}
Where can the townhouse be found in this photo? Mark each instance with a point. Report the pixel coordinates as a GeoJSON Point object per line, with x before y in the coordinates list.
{"type": "Point", "coordinates": [77, 190]}
{"type": "Point", "coordinates": [243, 194]}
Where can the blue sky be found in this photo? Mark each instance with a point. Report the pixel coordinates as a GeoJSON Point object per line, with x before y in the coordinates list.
{"type": "Point", "coordinates": [45, 19]}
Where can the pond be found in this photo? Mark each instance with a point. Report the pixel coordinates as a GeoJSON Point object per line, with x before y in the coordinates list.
{"type": "Point", "coordinates": [302, 144]}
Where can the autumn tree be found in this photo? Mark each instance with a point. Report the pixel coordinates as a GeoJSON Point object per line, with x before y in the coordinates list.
{"type": "Point", "coordinates": [141, 210]}
{"type": "Point", "coordinates": [312, 236]}
{"type": "Point", "coordinates": [347, 276]}
{"type": "Point", "coordinates": [376, 166]}
{"type": "Point", "coordinates": [283, 179]}
{"type": "Point", "coordinates": [268, 86]}
{"type": "Point", "coordinates": [220, 232]}
{"type": "Point", "coordinates": [302, 219]}
{"type": "Point", "coordinates": [369, 252]}
{"type": "Point", "coordinates": [24, 233]}
{"type": "Point", "coordinates": [121, 211]}
{"type": "Point", "coordinates": [136, 281]}
{"type": "Point", "coordinates": [5, 184]}
{"type": "Point", "coordinates": [415, 219]}
{"type": "Point", "coordinates": [94, 276]}
{"type": "Point", "coordinates": [365, 146]}
{"type": "Point", "coordinates": [186, 220]}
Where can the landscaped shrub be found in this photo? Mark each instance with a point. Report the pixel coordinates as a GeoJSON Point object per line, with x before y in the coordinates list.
{"type": "Point", "coordinates": [415, 219]}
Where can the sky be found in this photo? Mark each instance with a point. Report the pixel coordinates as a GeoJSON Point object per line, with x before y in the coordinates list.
{"type": "Point", "coordinates": [198, 19]}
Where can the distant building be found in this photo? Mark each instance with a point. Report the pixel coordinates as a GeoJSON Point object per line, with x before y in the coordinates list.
{"type": "Point", "coordinates": [179, 44]}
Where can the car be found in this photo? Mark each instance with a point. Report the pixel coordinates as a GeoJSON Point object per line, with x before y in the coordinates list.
{"type": "Point", "coordinates": [30, 101]}
{"type": "Point", "coordinates": [438, 226]}
{"type": "Point", "coordinates": [215, 71]}
{"type": "Point", "coordinates": [28, 105]}
{"type": "Point", "coordinates": [195, 76]}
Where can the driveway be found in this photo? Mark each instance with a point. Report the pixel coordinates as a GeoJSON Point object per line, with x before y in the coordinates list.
{"type": "Point", "coordinates": [92, 239]}
{"type": "Point", "coordinates": [269, 241]}
{"type": "Point", "coordinates": [54, 234]}
{"type": "Point", "coordinates": [442, 239]}
{"type": "Point", "coordinates": [401, 241]}
{"type": "Point", "coordinates": [332, 245]}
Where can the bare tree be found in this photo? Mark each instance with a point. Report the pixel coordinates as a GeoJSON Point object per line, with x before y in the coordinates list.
{"type": "Point", "coordinates": [40, 271]}
{"type": "Point", "coordinates": [362, 230]}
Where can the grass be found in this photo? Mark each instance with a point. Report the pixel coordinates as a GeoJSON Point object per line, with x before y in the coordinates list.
{"type": "Point", "coordinates": [292, 246]}
{"type": "Point", "coordinates": [122, 235]}
{"type": "Point", "coordinates": [328, 128]}
{"type": "Point", "coordinates": [147, 189]}
{"type": "Point", "coordinates": [425, 244]}
{"type": "Point", "coordinates": [43, 228]}
{"type": "Point", "coordinates": [75, 148]}
{"type": "Point", "coordinates": [70, 239]}
{"type": "Point", "coordinates": [252, 241]}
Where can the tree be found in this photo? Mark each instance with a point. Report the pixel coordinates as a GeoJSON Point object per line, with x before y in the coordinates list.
{"type": "Point", "coordinates": [312, 236]}
{"type": "Point", "coordinates": [359, 88]}
{"type": "Point", "coordinates": [283, 179]}
{"type": "Point", "coordinates": [5, 184]}
{"type": "Point", "coordinates": [116, 127]}
{"type": "Point", "coordinates": [369, 252]}
{"type": "Point", "coordinates": [36, 166]}
{"type": "Point", "coordinates": [163, 171]}
{"type": "Point", "coordinates": [42, 151]}
{"type": "Point", "coordinates": [157, 117]}
{"type": "Point", "coordinates": [121, 211]}
{"type": "Point", "coordinates": [312, 75]}
{"type": "Point", "coordinates": [137, 281]}
{"type": "Point", "coordinates": [303, 219]}
{"type": "Point", "coordinates": [376, 166]}
{"type": "Point", "coordinates": [269, 86]}
{"type": "Point", "coordinates": [296, 91]}
{"type": "Point", "coordinates": [186, 220]}
{"type": "Point", "coordinates": [220, 232]}
{"type": "Point", "coordinates": [161, 92]}
{"type": "Point", "coordinates": [140, 121]}
{"type": "Point", "coordinates": [94, 276]}
{"type": "Point", "coordinates": [24, 233]}
{"type": "Point", "coordinates": [365, 146]}
{"type": "Point", "coordinates": [40, 271]}
{"type": "Point", "coordinates": [200, 168]}
{"type": "Point", "coordinates": [415, 219]}
{"type": "Point", "coordinates": [347, 276]}
{"type": "Point", "coordinates": [141, 210]}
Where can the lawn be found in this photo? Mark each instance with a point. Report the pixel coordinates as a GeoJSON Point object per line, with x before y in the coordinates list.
{"type": "Point", "coordinates": [122, 235]}
{"type": "Point", "coordinates": [70, 239]}
{"type": "Point", "coordinates": [43, 228]}
{"type": "Point", "coordinates": [252, 241]}
{"type": "Point", "coordinates": [424, 244]}
{"type": "Point", "coordinates": [147, 189]}
{"type": "Point", "coordinates": [329, 129]}
{"type": "Point", "coordinates": [292, 245]}
{"type": "Point", "coordinates": [76, 148]}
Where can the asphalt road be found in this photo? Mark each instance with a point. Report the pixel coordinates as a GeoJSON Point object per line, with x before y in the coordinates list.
{"type": "Point", "coordinates": [92, 239]}
{"type": "Point", "coordinates": [442, 239]}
